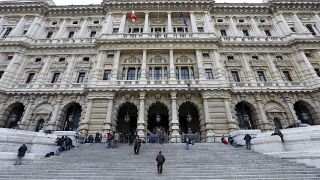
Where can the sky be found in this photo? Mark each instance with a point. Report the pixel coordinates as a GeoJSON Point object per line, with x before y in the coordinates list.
{"type": "Point", "coordinates": [78, 2]}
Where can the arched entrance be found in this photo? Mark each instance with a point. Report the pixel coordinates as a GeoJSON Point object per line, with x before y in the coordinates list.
{"type": "Point", "coordinates": [14, 115]}
{"type": "Point", "coordinates": [277, 123]}
{"type": "Point", "coordinates": [245, 116]}
{"type": "Point", "coordinates": [158, 118]}
{"type": "Point", "coordinates": [304, 112]}
{"type": "Point", "coordinates": [72, 118]}
{"type": "Point", "coordinates": [189, 118]}
{"type": "Point", "coordinates": [127, 118]}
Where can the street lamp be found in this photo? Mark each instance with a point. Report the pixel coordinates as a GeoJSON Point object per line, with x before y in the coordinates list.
{"type": "Point", "coordinates": [189, 117]}
{"type": "Point", "coordinates": [158, 116]}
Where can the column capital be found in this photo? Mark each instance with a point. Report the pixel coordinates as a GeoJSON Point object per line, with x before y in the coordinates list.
{"type": "Point", "coordinates": [173, 95]}
{"type": "Point", "coordinates": [142, 95]}
{"type": "Point", "coordinates": [146, 12]}
{"type": "Point", "coordinates": [169, 12]}
{"type": "Point", "coordinates": [191, 12]}
{"type": "Point", "coordinates": [109, 13]}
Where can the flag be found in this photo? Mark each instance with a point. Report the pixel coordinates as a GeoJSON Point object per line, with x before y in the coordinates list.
{"type": "Point", "coordinates": [133, 16]}
{"type": "Point", "coordinates": [182, 17]}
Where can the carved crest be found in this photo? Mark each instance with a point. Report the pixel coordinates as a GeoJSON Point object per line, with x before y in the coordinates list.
{"type": "Point", "coordinates": [132, 60]}
{"type": "Point", "coordinates": [158, 60]}
{"type": "Point", "coordinates": [184, 60]}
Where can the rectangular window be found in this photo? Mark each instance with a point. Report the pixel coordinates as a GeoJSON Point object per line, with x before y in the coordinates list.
{"type": "Point", "coordinates": [131, 75]}
{"type": "Point", "coordinates": [230, 57]}
{"type": "Point", "coordinates": [115, 30]}
{"type": "Point", "coordinates": [71, 34]}
{"type": "Point", "coordinates": [110, 56]}
{"type": "Point", "coordinates": [209, 74]}
{"type": "Point", "coordinates": [200, 30]}
{"type": "Point", "coordinates": [85, 59]}
{"type": "Point", "coordinates": [255, 57]}
{"type": "Point", "coordinates": [292, 29]}
{"type": "Point", "coordinates": [93, 34]}
{"type": "Point", "coordinates": [9, 29]}
{"type": "Point", "coordinates": [245, 32]}
{"type": "Point", "coordinates": [107, 74]}
{"type": "Point", "coordinates": [241, 20]}
{"type": "Point", "coordinates": [317, 71]}
{"type": "Point", "coordinates": [262, 20]}
{"type": "Point", "coordinates": [135, 30]}
{"type": "Point", "coordinates": [309, 27]}
{"type": "Point", "coordinates": [279, 57]}
{"type": "Point", "coordinates": [24, 32]}
{"type": "Point", "coordinates": [223, 32]}
{"type": "Point", "coordinates": [49, 35]}
{"type": "Point", "coordinates": [308, 55]}
{"type": "Point", "coordinates": [38, 60]}
{"type": "Point", "coordinates": [184, 73]}
{"type": "Point", "coordinates": [54, 23]}
{"type": "Point", "coordinates": [235, 76]}
{"type": "Point", "coordinates": [81, 77]}
{"type": "Point", "coordinates": [55, 77]}
{"type": "Point", "coordinates": [62, 59]}
{"type": "Point", "coordinates": [261, 76]}
{"type": "Point", "coordinates": [177, 73]}
{"type": "Point", "coordinates": [205, 55]}
{"type": "Point", "coordinates": [220, 20]}
{"type": "Point", "coordinates": [30, 77]}
{"type": "Point", "coordinates": [10, 58]}
{"type": "Point", "coordinates": [1, 73]}
{"type": "Point", "coordinates": [287, 75]}
{"type": "Point", "coordinates": [74, 22]}
{"type": "Point", "coordinates": [157, 73]}
{"type": "Point", "coordinates": [268, 33]}
{"type": "Point", "coordinates": [96, 22]}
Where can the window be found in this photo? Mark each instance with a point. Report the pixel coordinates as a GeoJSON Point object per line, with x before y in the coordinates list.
{"type": "Point", "coordinates": [268, 33]}
{"type": "Point", "coordinates": [135, 30]}
{"type": "Point", "coordinates": [96, 22]}
{"type": "Point", "coordinates": [24, 32]}
{"type": "Point", "coordinates": [205, 55]}
{"type": "Point", "coordinates": [200, 30]}
{"type": "Point", "coordinates": [287, 75]}
{"type": "Point", "coordinates": [177, 73]}
{"type": "Point", "coordinates": [279, 57]}
{"type": "Point", "coordinates": [184, 73]}
{"type": "Point", "coordinates": [54, 23]}
{"type": "Point", "coordinates": [1, 73]}
{"type": "Point", "coordinates": [292, 29]}
{"type": "Point", "coordinates": [93, 34]}
{"type": "Point", "coordinates": [38, 60]}
{"type": "Point", "coordinates": [223, 32]}
{"type": "Point", "coordinates": [9, 29]}
{"type": "Point", "coordinates": [157, 73]}
{"type": "Point", "coordinates": [10, 58]}
{"type": "Point", "coordinates": [49, 35]}
{"type": "Point", "coordinates": [71, 34]}
{"type": "Point", "coordinates": [308, 55]}
{"type": "Point", "coordinates": [74, 22]}
{"type": "Point", "coordinates": [131, 75]}
{"type": "Point", "coordinates": [230, 57]}
{"type": "Point", "coordinates": [245, 32]}
{"type": "Point", "coordinates": [30, 77]}
{"type": "Point", "coordinates": [255, 57]}
{"type": "Point", "coordinates": [165, 74]}
{"type": "Point", "coordinates": [241, 20]}
{"type": "Point", "coordinates": [55, 77]}
{"type": "Point", "coordinates": [235, 76]}
{"type": "Point", "coordinates": [110, 56]}
{"type": "Point", "coordinates": [317, 71]}
{"type": "Point", "coordinates": [107, 74]}
{"type": "Point", "coordinates": [115, 30]}
{"type": "Point", "coordinates": [262, 20]}
{"type": "Point", "coordinates": [309, 27]}
{"type": "Point", "coordinates": [85, 59]}
{"type": "Point", "coordinates": [209, 74]}
{"type": "Point", "coordinates": [81, 77]}
{"type": "Point", "coordinates": [62, 59]}
{"type": "Point", "coordinates": [261, 76]}
{"type": "Point", "coordinates": [220, 20]}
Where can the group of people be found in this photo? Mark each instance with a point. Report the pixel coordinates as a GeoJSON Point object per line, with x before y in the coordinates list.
{"type": "Point", "coordinates": [159, 136]}
{"type": "Point", "coordinates": [64, 144]}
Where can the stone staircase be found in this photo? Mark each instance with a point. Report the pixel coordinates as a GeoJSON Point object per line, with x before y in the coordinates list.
{"type": "Point", "coordinates": [202, 161]}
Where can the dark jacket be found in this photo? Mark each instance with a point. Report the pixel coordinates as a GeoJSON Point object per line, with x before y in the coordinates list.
{"type": "Point", "coordinates": [137, 144]}
{"type": "Point", "coordinates": [160, 159]}
{"type": "Point", "coordinates": [22, 150]}
{"type": "Point", "coordinates": [247, 137]}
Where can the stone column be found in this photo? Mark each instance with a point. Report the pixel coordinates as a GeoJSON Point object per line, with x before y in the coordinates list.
{"type": "Point", "coordinates": [143, 67]}
{"type": "Point", "coordinates": [67, 76]}
{"type": "Point", "coordinates": [263, 120]}
{"type": "Point", "coordinates": [276, 26]}
{"type": "Point", "coordinates": [2, 21]}
{"type": "Point", "coordinates": [317, 19]}
{"type": "Point", "coordinates": [85, 124]}
{"type": "Point", "coordinates": [247, 69]}
{"type": "Point", "coordinates": [209, 124]}
{"type": "Point", "coordinates": [193, 22]}
{"type": "Point", "coordinates": [293, 112]}
{"type": "Point", "coordinates": [232, 125]}
{"type": "Point", "coordinates": [26, 114]}
{"type": "Point", "coordinates": [233, 27]}
{"type": "Point", "coordinates": [175, 136]}
{"type": "Point", "coordinates": [61, 30]}
{"type": "Point", "coordinates": [98, 68]}
{"type": "Point", "coordinates": [107, 25]}
{"type": "Point", "coordinates": [19, 26]}
{"type": "Point", "coordinates": [172, 76]}
{"type": "Point", "coordinates": [200, 65]}
{"type": "Point", "coordinates": [300, 26]}
{"type": "Point", "coordinates": [170, 30]}
{"type": "Point", "coordinates": [108, 120]}
{"type": "Point", "coordinates": [33, 26]}
{"type": "Point", "coordinates": [115, 66]}
{"type": "Point", "coordinates": [274, 71]}
{"type": "Point", "coordinates": [141, 121]}
{"type": "Point", "coordinates": [215, 56]}
{"type": "Point", "coordinates": [82, 31]}
{"type": "Point", "coordinates": [43, 72]}
{"type": "Point", "coordinates": [207, 22]}
{"type": "Point", "coordinates": [309, 73]}
{"type": "Point", "coordinates": [122, 23]}
{"type": "Point", "coordinates": [9, 76]}
{"type": "Point", "coordinates": [146, 25]}
{"type": "Point", "coordinates": [55, 115]}
{"type": "Point", "coordinates": [255, 27]}
{"type": "Point", "coordinates": [284, 25]}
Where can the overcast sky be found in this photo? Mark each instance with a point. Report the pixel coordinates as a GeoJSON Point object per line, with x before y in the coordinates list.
{"type": "Point", "coordinates": [68, 2]}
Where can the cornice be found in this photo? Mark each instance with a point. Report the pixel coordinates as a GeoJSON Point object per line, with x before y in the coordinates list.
{"type": "Point", "coordinates": [240, 8]}
{"type": "Point", "coordinates": [88, 10]}
{"type": "Point", "coordinates": [295, 5]}
{"type": "Point", "coordinates": [23, 8]}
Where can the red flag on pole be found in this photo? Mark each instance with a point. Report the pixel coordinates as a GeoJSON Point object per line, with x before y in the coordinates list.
{"type": "Point", "coordinates": [133, 16]}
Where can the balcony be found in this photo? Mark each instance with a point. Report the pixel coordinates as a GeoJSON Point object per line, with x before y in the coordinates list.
{"type": "Point", "coordinates": [157, 36]}
{"type": "Point", "coordinates": [249, 39]}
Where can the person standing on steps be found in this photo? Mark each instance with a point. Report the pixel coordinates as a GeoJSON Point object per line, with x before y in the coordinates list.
{"type": "Point", "coordinates": [21, 152]}
{"type": "Point", "coordinates": [248, 138]}
{"type": "Point", "coordinates": [137, 145]}
{"type": "Point", "coordinates": [279, 133]}
{"type": "Point", "coordinates": [160, 160]}
{"type": "Point", "coordinates": [115, 139]}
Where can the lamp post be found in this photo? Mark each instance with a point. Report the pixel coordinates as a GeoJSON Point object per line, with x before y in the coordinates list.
{"type": "Point", "coordinates": [245, 118]}
{"type": "Point", "coordinates": [189, 117]}
{"type": "Point", "coordinates": [126, 121]}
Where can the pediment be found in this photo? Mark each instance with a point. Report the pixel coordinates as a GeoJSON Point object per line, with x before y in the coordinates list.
{"type": "Point", "coordinates": [276, 110]}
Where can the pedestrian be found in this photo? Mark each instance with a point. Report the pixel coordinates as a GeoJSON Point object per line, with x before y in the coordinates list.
{"type": "Point", "coordinates": [189, 139]}
{"type": "Point", "coordinates": [248, 138]}
{"type": "Point", "coordinates": [137, 145]}
{"type": "Point", "coordinates": [161, 136]}
{"type": "Point", "coordinates": [160, 160]}
{"type": "Point", "coordinates": [97, 138]}
{"type": "Point", "coordinates": [21, 152]}
{"type": "Point", "coordinates": [116, 139]}
{"type": "Point", "coordinates": [148, 137]}
{"type": "Point", "coordinates": [223, 140]}
{"type": "Point", "coordinates": [109, 140]}
{"type": "Point", "coordinates": [279, 133]}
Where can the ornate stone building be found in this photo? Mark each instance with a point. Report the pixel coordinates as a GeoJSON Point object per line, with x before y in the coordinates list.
{"type": "Point", "coordinates": [133, 65]}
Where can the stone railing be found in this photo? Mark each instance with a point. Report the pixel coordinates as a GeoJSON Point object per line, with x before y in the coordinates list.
{"type": "Point", "coordinates": [251, 39]}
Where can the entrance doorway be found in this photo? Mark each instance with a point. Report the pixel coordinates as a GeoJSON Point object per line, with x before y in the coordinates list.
{"type": "Point", "coordinates": [189, 120]}
{"type": "Point", "coordinates": [158, 118]}
{"type": "Point", "coordinates": [127, 118]}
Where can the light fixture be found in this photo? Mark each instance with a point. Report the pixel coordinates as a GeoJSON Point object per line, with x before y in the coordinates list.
{"type": "Point", "coordinates": [158, 117]}
{"type": "Point", "coordinates": [189, 117]}
{"type": "Point", "coordinates": [127, 117]}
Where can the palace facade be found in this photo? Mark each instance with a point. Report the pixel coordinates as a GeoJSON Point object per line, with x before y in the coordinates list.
{"type": "Point", "coordinates": [174, 65]}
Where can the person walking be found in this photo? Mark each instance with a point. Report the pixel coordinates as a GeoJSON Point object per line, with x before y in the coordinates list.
{"type": "Point", "coordinates": [137, 145]}
{"type": "Point", "coordinates": [116, 139]}
{"type": "Point", "coordinates": [160, 160]}
{"type": "Point", "coordinates": [21, 152]}
{"type": "Point", "coordinates": [248, 138]}
{"type": "Point", "coordinates": [279, 133]}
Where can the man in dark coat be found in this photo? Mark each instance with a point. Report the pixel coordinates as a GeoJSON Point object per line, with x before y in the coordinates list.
{"type": "Point", "coordinates": [279, 133]}
{"type": "Point", "coordinates": [160, 160]}
{"type": "Point", "coordinates": [137, 145]}
{"type": "Point", "coordinates": [21, 152]}
{"type": "Point", "coordinates": [248, 138]}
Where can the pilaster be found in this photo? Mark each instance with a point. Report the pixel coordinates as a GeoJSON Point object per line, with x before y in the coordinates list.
{"type": "Point", "coordinates": [175, 135]}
